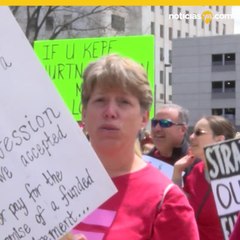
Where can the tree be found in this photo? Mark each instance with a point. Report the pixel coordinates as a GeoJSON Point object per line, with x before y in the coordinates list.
{"type": "Point", "coordinates": [56, 21]}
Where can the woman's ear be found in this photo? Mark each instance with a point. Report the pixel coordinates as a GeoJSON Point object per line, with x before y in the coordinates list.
{"type": "Point", "coordinates": [83, 114]}
{"type": "Point", "coordinates": [184, 128]}
{"type": "Point", "coordinates": [145, 119]}
{"type": "Point", "coordinates": [219, 138]}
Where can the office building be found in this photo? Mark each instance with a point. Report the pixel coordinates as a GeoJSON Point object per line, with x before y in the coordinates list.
{"type": "Point", "coordinates": [206, 76]}
{"type": "Point", "coordinates": [164, 22]}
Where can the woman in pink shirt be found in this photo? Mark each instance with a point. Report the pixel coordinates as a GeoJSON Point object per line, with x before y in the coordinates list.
{"type": "Point", "coordinates": [196, 183]}
{"type": "Point", "coordinates": [116, 99]}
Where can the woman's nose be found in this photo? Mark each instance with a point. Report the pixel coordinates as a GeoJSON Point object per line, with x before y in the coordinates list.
{"type": "Point", "coordinates": [110, 110]}
{"type": "Point", "coordinates": [191, 136]}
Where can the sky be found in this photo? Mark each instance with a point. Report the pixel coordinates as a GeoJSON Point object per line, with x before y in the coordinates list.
{"type": "Point", "coordinates": [236, 14]}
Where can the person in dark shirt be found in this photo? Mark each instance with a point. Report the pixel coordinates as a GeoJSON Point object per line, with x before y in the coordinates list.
{"type": "Point", "coordinates": [169, 133]}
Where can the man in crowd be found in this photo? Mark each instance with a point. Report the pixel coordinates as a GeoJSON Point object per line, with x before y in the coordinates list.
{"type": "Point", "coordinates": [169, 133]}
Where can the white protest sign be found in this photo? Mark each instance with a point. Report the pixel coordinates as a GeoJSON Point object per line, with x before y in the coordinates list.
{"type": "Point", "coordinates": [50, 178]}
{"type": "Point", "coordinates": [223, 161]}
{"type": "Point", "coordinates": [165, 168]}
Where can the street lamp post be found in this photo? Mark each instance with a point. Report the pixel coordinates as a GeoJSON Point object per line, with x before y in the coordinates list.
{"type": "Point", "coordinates": [166, 65]}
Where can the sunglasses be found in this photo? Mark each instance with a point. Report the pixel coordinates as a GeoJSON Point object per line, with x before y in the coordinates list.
{"type": "Point", "coordinates": [164, 123]}
{"type": "Point", "coordinates": [199, 132]}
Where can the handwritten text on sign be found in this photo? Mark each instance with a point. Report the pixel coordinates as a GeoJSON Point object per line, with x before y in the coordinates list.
{"type": "Point", "coordinates": [65, 61]}
{"type": "Point", "coordinates": [223, 161]}
{"type": "Point", "coordinates": [49, 174]}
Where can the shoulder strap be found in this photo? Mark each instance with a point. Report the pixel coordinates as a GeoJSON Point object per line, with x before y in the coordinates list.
{"type": "Point", "coordinates": [205, 197]}
{"type": "Point", "coordinates": [166, 190]}
{"type": "Point", "coordinates": [189, 168]}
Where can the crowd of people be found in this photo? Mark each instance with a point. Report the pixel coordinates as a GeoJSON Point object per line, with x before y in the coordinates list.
{"type": "Point", "coordinates": [116, 99]}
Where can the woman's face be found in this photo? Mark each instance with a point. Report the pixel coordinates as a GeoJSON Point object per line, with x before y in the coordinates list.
{"type": "Point", "coordinates": [202, 135]}
{"type": "Point", "coordinates": [113, 119]}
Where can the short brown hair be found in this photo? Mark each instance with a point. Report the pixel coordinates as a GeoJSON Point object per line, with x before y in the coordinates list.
{"type": "Point", "coordinates": [114, 71]}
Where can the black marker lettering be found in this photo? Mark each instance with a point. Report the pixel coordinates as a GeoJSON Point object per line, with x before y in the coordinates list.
{"type": "Point", "coordinates": [4, 63]}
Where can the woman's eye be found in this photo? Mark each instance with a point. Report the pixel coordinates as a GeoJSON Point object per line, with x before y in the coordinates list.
{"type": "Point", "coordinates": [99, 99]}
{"type": "Point", "coordinates": [124, 101]}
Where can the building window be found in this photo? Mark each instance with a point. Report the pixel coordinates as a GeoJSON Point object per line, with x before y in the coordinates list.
{"type": "Point", "coordinates": [161, 96]}
{"type": "Point", "coordinates": [223, 86]}
{"type": "Point", "coordinates": [170, 97]}
{"type": "Point", "coordinates": [170, 79]}
{"type": "Point", "coordinates": [217, 111]}
{"type": "Point", "coordinates": [67, 21]}
{"type": "Point", "coordinates": [161, 54]}
{"type": "Point", "coordinates": [195, 22]}
{"type": "Point", "coordinates": [223, 62]}
{"type": "Point", "coordinates": [229, 86]}
{"type": "Point", "coordinates": [217, 27]}
{"type": "Point", "coordinates": [170, 56]}
{"type": "Point", "coordinates": [217, 8]}
{"type": "Point", "coordinates": [217, 87]}
{"type": "Point", "coordinates": [161, 77]}
{"type": "Point", "coordinates": [224, 9]}
{"type": "Point", "coordinates": [228, 113]}
{"type": "Point", "coordinates": [229, 58]}
{"type": "Point", "coordinates": [217, 59]}
{"type": "Point", "coordinates": [161, 10]}
{"type": "Point", "coordinates": [152, 8]}
{"type": "Point", "coordinates": [152, 28]}
{"type": "Point", "coordinates": [187, 18]}
{"type": "Point", "coordinates": [186, 34]}
{"type": "Point", "coordinates": [32, 24]}
{"type": "Point", "coordinates": [170, 33]}
{"type": "Point", "coordinates": [202, 24]}
{"type": "Point", "coordinates": [161, 31]}
{"type": "Point", "coordinates": [178, 11]}
{"type": "Point", "coordinates": [179, 33]}
{"type": "Point", "coordinates": [170, 9]}
{"type": "Point", "coordinates": [118, 23]}
{"type": "Point", "coordinates": [49, 23]}
{"type": "Point", "coordinates": [224, 29]}
{"type": "Point", "coordinates": [210, 26]}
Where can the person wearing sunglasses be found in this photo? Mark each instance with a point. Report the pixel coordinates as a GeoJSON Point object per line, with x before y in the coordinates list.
{"type": "Point", "coordinates": [116, 98]}
{"type": "Point", "coordinates": [169, 133]}
{"type": "Point", "coordinates": [195, 182]}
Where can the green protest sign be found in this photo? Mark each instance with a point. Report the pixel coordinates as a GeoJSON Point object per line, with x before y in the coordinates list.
{"type": "Point", "coordinates": [66, 59]}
